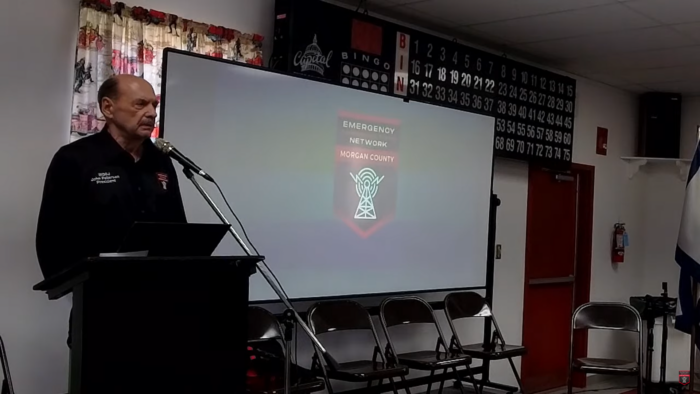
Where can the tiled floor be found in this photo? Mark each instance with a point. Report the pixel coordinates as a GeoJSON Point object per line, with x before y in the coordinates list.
{"type": "Point", "coordinates": [608, 386]}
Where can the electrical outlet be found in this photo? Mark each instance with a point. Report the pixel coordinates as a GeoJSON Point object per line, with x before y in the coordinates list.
{"type": "Point", "coordinates": [498, 252]}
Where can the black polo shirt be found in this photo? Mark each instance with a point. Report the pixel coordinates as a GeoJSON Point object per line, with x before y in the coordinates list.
{"type": "Point", "coordinates": [94, 192]}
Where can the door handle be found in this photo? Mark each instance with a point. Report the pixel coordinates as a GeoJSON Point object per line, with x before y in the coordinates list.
{"type": "Point", "coordinates": [551, 281]}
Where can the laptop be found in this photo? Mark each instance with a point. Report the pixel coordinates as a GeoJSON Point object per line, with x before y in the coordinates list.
{"type": "Point", "coordinates": [173, 239]}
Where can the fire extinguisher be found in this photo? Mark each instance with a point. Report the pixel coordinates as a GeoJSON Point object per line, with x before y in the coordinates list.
{"type": "Point", "coordinates": [619, 243]}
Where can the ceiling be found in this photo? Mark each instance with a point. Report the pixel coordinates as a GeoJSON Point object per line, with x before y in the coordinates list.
{"type": "Point", "coordinates": [635, 45]}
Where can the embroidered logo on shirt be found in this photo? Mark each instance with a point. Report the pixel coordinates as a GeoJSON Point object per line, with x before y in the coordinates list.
{"type": "Point", "coordinates": [163, 179]}
{"type": "Point", "coordinates": [104, 178]}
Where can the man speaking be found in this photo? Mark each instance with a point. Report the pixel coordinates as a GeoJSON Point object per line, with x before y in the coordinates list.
{"type": "Point", "coordinates": [97, 187]}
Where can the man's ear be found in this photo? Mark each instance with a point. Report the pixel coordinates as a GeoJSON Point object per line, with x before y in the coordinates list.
{"type": "Point", "coordinates": [107, 107]}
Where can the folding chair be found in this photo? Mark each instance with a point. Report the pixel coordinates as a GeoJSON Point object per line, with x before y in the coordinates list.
{"type": "Point", "coordinates": [467, 305]}
{"type": "Point", "coordinates": [397, 311]}
{"type": "Point", "coordinates": [266, 337]}
{"type": "Point", "coordinates": [606, 316]}
{"type": "Point", "coordinates": [334, 316]}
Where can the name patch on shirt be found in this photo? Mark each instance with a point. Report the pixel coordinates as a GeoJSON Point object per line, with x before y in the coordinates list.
{"type": "Point", "coordinates": [105, 177]}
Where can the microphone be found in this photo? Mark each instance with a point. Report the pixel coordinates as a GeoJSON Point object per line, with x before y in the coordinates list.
{"type": "Point", "coordinates": [168, 148]}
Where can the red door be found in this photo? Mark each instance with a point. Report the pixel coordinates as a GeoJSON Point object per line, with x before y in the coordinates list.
{"type": "Point", "coordinates": [550, 256]}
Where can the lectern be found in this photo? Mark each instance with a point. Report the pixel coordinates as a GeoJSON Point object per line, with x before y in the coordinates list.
{"type": "Point", "coordinates": [157, 324]}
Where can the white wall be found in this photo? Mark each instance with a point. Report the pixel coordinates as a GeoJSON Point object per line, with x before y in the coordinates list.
{"type": "Point", "coordinates": [663, 197]}
{"type": "Point", "coordinates": [35, 116]}
{"type": "Point", "coordinates": [35, 75]}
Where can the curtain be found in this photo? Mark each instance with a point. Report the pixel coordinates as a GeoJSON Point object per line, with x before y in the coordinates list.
{"type": "Point", "coordinates": [116, 39]}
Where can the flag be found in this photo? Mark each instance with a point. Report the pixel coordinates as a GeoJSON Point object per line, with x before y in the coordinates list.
{"type": "Point", "coordinates": [688, 249]}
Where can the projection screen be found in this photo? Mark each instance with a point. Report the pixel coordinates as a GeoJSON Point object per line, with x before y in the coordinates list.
{"type": "Point", "coordinates": [345, 192]}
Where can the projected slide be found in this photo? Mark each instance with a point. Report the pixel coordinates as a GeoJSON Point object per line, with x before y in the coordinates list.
{"type": "Point", "coordinates": [345, 192]}
{"type": "Point", "coordinates": [366, 171]}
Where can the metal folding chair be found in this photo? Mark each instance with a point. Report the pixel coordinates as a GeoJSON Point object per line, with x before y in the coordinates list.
{"type": "Point", "coordinates": [615, 316]}
{"type": "Point", "coordinates": [395, 311]}
{"type": "Point", "coordinates": [468, 304]}
{"type": "Point", "coordinates": [334, 316]}
{"type": "Point", "coordinates": [263, 327]}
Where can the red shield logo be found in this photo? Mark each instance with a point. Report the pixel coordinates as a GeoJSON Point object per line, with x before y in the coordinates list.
{"type": "Point", "coordinates": [684, 377]}
{"type": "Point", "coordinates": [162, 179]}
{"type": "Point", "coordinates": [366, 171]}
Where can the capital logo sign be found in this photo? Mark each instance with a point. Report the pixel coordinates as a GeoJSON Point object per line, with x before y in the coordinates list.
{"type": "Point", "coordinates": [366, 171]}
{"type": "Point", "coordinates": [313, 59]}
{"type": "Point", "coordinates": [684, 377]}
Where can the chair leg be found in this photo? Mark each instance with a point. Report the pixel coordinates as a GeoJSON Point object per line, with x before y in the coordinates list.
{"type": "Point", "coordinates": [393, 386]}
{"type": "Point", "coordinates": [406, 389]}
{"type": "Point", "coordinates": [640, 384]}
{"type": "Point", "coordinates": [442, 382]}
{"type": "Point", "coordinates": [329, 387]}
{"type": "Point", "coordinates": [460, 383]}
{"type": "Point", "coordinates": [471, 376]}
{"type": "Point", "coordinates": [517, 375]}
{"type": "Point", "coordinates": [570, 381]}
{"type": "Point", "coordinates": [430, 383]}
{"type": "Point", "coordinates": [459, 380]}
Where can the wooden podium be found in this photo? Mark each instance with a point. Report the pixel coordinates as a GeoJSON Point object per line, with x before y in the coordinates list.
{"type": "Point", "coordinates": [157, 324]}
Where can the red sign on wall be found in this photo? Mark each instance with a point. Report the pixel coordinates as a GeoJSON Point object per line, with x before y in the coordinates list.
{"type": "Point", "coordinates": [601, 146]}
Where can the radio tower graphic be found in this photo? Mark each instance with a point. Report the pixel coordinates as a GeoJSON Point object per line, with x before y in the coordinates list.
{"type": "Point", "coordinates": [366, 184]}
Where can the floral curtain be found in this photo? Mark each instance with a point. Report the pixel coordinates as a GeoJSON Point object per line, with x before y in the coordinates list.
{"type": "Point", "coordinates": [116, 39]}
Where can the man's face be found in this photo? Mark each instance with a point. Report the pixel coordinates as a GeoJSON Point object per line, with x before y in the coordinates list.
{"type": "Point", "coordinates": [134, 109]}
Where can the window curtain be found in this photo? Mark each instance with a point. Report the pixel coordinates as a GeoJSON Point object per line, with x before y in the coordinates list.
{"type": "Point", "coordinates": [116, 39]}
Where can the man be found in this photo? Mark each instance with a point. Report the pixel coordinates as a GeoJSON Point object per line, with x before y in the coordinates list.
{"type": "Point", "coordinates": [97, 187]}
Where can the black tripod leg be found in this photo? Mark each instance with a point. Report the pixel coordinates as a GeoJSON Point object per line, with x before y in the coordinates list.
{"type": "Point", "coordinates": [288, 323]}
{"type": "Point", "coordinates": [650, 349]}
{"type": "Point", "coordinates": [664, 349]}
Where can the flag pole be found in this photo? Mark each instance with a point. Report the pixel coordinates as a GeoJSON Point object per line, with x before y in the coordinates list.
{"type": "Point", "coordinates": [692, 338]}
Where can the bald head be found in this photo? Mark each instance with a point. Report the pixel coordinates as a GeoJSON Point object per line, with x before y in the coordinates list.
{"type": "Point", "coordinates": [128, 104]}
{"type": "Point", "coordinates": [111, 87]}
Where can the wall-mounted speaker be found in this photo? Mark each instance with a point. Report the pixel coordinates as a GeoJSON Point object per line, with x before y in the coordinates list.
{"type": "Point", "coordinates": [659, 125]}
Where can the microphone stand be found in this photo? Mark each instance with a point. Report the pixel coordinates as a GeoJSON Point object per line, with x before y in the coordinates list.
{"type": "Point", "coordinates": [290, 314]}
{"type": "Point", "coordinates": [6, 386]}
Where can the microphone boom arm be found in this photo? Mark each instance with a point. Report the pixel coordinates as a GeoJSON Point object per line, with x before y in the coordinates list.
{"type": "Point", "coordinates": [264, 272]}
